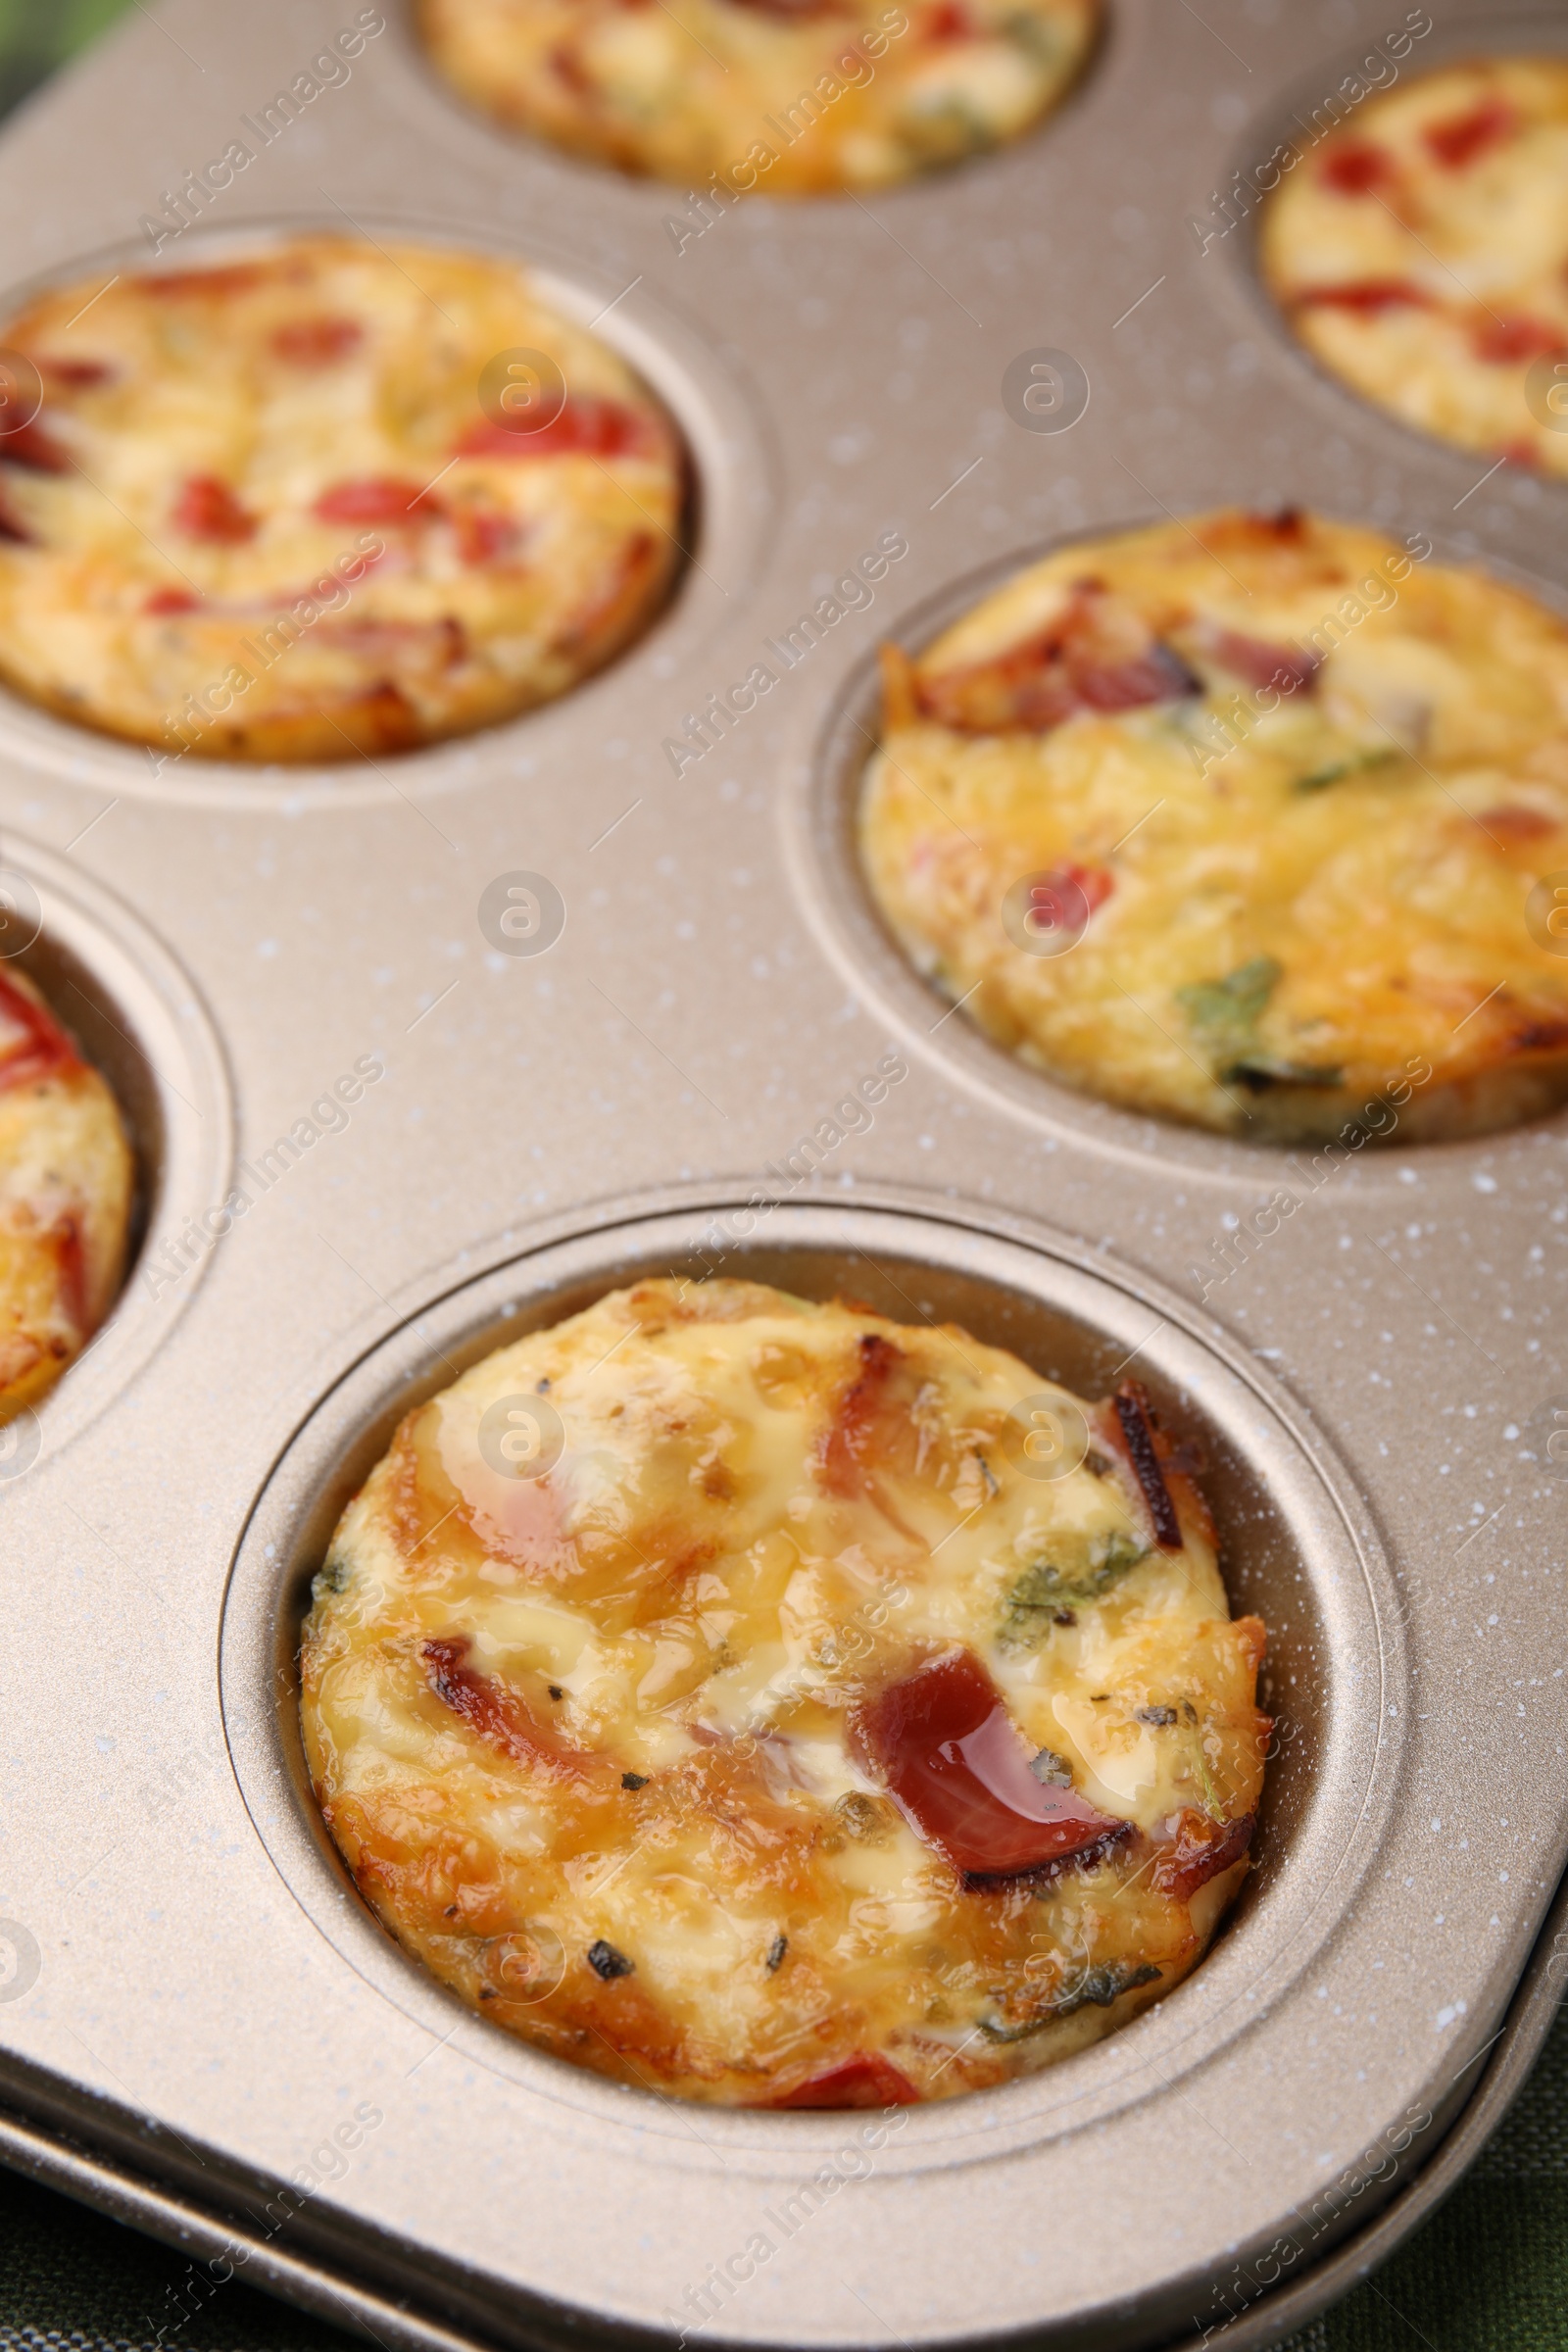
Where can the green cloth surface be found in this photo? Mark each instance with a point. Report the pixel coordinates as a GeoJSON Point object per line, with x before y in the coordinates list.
{"type": "Point", "coordinates": [1488, 2273]}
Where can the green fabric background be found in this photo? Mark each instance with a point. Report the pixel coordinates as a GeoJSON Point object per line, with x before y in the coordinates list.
{"type": "Point", "coordinates": [1490, 2274]}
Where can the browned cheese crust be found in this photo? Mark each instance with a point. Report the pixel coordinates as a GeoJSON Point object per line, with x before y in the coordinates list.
{"type": "Point", "coordinates": [774, 1705]}
{"type": "Point", "coordinates": [265, 515]}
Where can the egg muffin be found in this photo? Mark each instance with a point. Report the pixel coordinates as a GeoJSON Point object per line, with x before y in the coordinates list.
{"type": "Point", "coordinates": [328, 499]}
{"type": "Point", "coordinates": [792, 97]}
{"type": "Point", "coordinates": [1420, 251]}
{"type": "Point", "coordinates": [780, 1706]}
{"type": "Point", "coordinates": [1238, 821]}
{"type": "Point", "coordinates": [66, 1178]}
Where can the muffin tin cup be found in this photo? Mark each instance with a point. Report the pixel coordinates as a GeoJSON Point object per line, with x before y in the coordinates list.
{"type": "Point", "coordinates": [1296, 1546]}
{"type": "Point", "coordinates": [732, 498]}
{"type": "Point", "coordinates": [138, 1018]}
{"type": "Point", "coordinates": [821, 815]}
{"type": "Point", "coordinates": [194, 2001]}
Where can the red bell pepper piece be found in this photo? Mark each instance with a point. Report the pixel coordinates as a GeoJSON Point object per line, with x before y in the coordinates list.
{"type": "Point", "coordinates": [42, 1050]}
{"type": "Point", "coordinates": [1367, 295]}
{"type": "Point", "coordinates": [955, 1766]}
{"type": "Point", "coordinates": [1356, 167]}
{"type": "Point", "coordinates": [318, 342]}
{"type": "Point", "coordinates": [867, 2080]}
{"type": "Point", "coordinates": [1458, 142]}
{"type": "Point", "coordinates": [378, 497]}
{"type": "Point", "coordinates": [587, 426]}
{"type": "Point", "coordinates": [207, 509]}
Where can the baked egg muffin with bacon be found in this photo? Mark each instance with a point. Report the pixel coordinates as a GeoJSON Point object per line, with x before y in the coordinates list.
{"type": "Point", "coordinates": [1420, 252]}
{"type": "Point", "coordinates": [66, 1178]}
{"type": "Point", "coordinates": [329, 498]}
{"type": "Point", "coordinates": [1247, 823]}
{"type": "Point", "coordinates": [780, 1706]}
{"type": "Point", "coordinates": [789, 97]}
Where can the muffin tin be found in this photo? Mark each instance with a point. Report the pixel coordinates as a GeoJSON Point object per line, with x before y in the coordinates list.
{"type": "Point", "coordinates": [201, 2027]}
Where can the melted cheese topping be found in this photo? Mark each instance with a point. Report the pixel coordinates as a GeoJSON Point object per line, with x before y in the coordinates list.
{"type": "Point", "coordinates": [587, 1738]}
{"type": "Point", "coordinates": [264, 516]}
{"type": "Point", "coordinates": [66, 1183]}
{"type": "Point", "coordinates": [1421, 252]}
{"type": "Point", "coordinates": [793, 97]}
{"type": "Point", "coordinates": [1288, 900]}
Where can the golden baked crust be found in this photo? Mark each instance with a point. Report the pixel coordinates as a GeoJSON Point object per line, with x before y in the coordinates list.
{"type": "Point", "coordinates": [794, 97]}
{"type": "Point", "coordinates": [262, 514]}
{"type": "Point", "coordinates": [66, 1183]}
{"type": "Point", "coordinates": [638, 1755]}
{"type": "Point", "coordinates": [1420, 251]}
{"type": "Point", "coordinates": [1288, 788]}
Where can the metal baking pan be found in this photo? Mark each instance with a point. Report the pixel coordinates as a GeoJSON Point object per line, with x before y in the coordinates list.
{"type": "Point", "coordinates": [199, 2025]}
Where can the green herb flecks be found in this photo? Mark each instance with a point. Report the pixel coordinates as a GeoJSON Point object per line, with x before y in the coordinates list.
{"type": "Point", "coordinates": [1037, 38]}
{"type": "Point", "coordinates": [1338, 771]}
{"type": "Point", "coordinates": [1224, 1014]}
{"type": "Point", "coordinates": [1047, 1587]}
{"type": "Point", "coordinates": [1259, 1072]}
{"type": "Point", "coordinates": [1096, 1988]}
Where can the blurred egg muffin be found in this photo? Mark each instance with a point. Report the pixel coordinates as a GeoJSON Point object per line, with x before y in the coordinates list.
{"type": "Point", "coordinates": [1245, 822]}
{"type": "Point", "coordinates": [1420, 251]}
{"type": "Point", "coordinates": [791, 97]}
{"type": "Point", "coordinates": [327, 498]}
{"type": "Point", "coordinates": [781, 1706]}
{"type": "Point", "coordinates": [66, 1186]}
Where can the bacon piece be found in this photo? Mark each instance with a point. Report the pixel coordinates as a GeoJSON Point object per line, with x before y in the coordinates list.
{"type": "Point", "coordinates": [80, 376]}
{"type": "Point", "coordinates": [789, 12]}
{"type": "Point", "coordinates": [36, 447]}
{"type": "Point", "coordinates": [1458, 142]}
{"type": "Point", "coordinates": [1135, 1416]}
{"type": "Point", "coordinates": [950, 21]}
{"type": "Point", "coordinates": [237, 278]}
{"type": "Point", "coordinates": [842, 1465]}
{"type": "Point", "coordinates": [435, 645]}
{"type": "Point", "coordinates": [1064, 899]}
{"type": "Point", "coordinates": [1286, 526]}
{"type": "Point", "coordinates": [867, 2080]}
{"type": "Point", "coordinates": [1543, 1036]}
{"type": "Point", "coordinates": [171, 600]}
{"type": "Point", "coordinates": [378, 498]}
{"type": "Point", "coordinates": [41, 1050]}
{"type": "Point", "coordinates": [1099, 654]}
{"type": "Point", "coordinates": [957, 1769]}
{"type": "Point", "coordinates": [207, 509]}
{"type": "Point", "coordinates": [318, 342]}
{"type": "Point", "coordinates": [567, 67]}
{"type": "Point", "coordinates": [1262, 664]}
{"type": "Point", "coordinates": [1200, 1850]}
{"type": "Point", "coordinates": [587, 426]}
{"type": "Point", "coordinates": [70, 1270]}
{"type": "Point", "coordinates": [12, 526]}
{"type": "Point", "coordinates": [1366, 296]}
{"type": "Point", "coordinates": [1516, 824]}
{"type": "Point", "coordinates": [1505, 340]}
{"type": "Point", "coordinates": [503, 1717]}
{"type": "Point", "coordinates": [1356, 167]}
